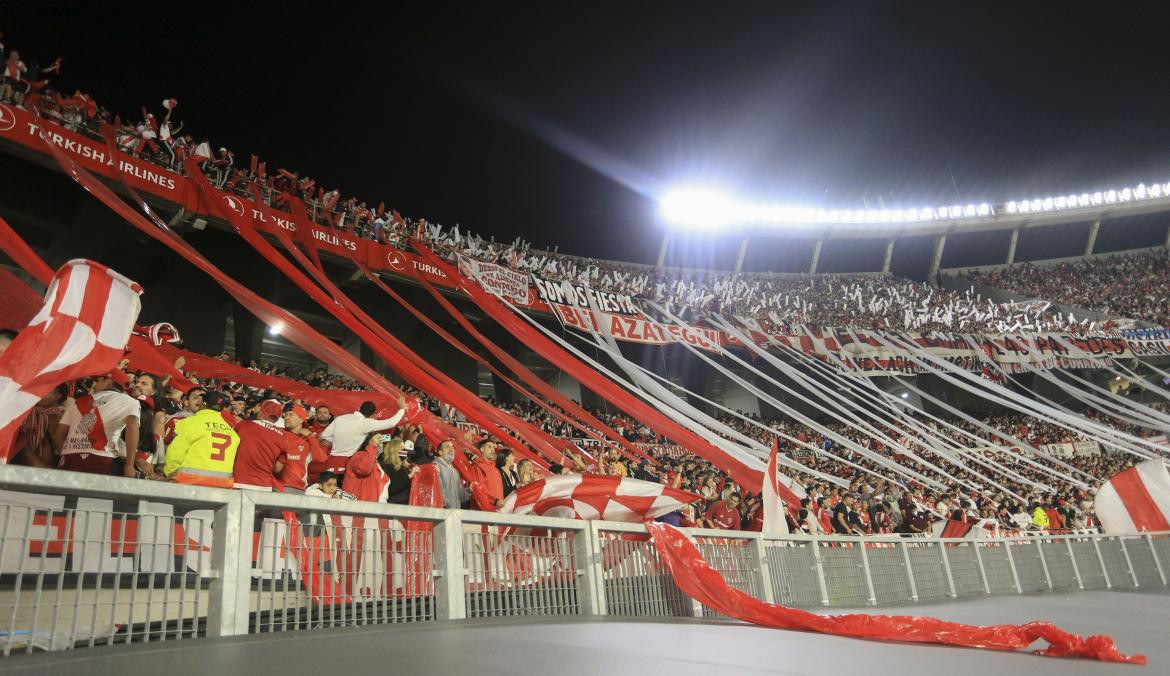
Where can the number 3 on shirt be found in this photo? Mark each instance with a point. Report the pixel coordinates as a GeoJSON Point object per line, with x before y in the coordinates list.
{"type": "Point", "coordinates": [220, 443]}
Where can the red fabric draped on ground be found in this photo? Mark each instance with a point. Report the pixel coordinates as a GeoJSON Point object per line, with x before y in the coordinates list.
{"type": "Point", "coordinates": [697, 579]}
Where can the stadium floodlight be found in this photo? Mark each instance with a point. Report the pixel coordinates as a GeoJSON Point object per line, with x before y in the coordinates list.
{"type": "Point", "coordinates": [1010, 207]}
{"type": "Point", "coordinates": [1156, 190]}
{"type": "Point", "coordinates": [984, 209]}
{"type": "Point", "coordinates": [1110, 196]}
{"type": "Point", "coordinates": [699, 208]}
{"type": "Point", "coordinates": [1097, 198]}
{"type": "Point", "coordinates": [1126, 195]}
{"type": "Point", "coordinates": [275, 328]}
{"type": "Point", "coordinates": [1140, 191]}
{"type": "Point", "coordinates": [1061, 202]}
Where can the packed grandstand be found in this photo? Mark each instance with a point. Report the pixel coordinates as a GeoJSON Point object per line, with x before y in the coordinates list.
{"type": "Point", "coordinates": [1031, 464]}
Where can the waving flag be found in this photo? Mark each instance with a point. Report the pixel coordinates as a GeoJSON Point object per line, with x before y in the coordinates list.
{"type": "Point", "coordinates": [596, 497]}
{"type": "Point", "coordinates": [81, 330]}
{"type": "Point", "coordinates": [773, 506]}
{"type": "Point", "coordinates": [1136, 500]}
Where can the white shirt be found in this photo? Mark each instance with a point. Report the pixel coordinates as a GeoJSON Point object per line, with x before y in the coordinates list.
{"type": "Point", "coordinates": [347, 432]}
{"type": "Point", "coordinates": [100, 429]}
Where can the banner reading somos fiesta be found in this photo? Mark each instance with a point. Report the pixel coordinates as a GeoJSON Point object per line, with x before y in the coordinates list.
{"type": "Point", "coordinates": [619, 315]}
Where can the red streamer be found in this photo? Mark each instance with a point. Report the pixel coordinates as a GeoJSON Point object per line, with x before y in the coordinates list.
{"type": "Point", "coordinates": [401, 358]}
{"type": "Point", "coordinates": [294, 329]}
{"type": "Point", "coordinates": [701, 582]}
{"type": "Point", "coordinates": [458, 344]}
{"type": "Point", "coordinates": [625, 447]}
{"type": "Point", "coordinates": [587, 376]}
{"type": "Point", "coordinates": [19, 301]}
{"type": "Point", "coordinates": [23, 255]}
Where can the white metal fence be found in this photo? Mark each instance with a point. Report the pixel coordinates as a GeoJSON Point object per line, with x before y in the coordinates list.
{"type": "Point", "coordinates": [88, 560]}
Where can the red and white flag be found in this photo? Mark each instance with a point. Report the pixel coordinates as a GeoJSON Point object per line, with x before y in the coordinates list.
{"type": "Point", "coordinates": [773, 506]}
{"type": "Point", "coordinates": [1136, 500]}
{"type": "Point", "coordinates": [81, 330]}
{"type": "Point", "coordinates": [596, 497]}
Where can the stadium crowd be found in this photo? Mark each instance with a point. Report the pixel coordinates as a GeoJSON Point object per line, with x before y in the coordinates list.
{"type": "Point", "coordinates": [133, 424]}
{"type": "Point", "coordinates": [777, 301]}
{"type": "Point", "coordinates": [1132, 286]}
{"type": "Point", "coordinates": [268, 442]}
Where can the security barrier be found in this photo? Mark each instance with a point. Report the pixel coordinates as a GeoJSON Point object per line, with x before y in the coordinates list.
{"type": "Point", "coordinates": [92, 560]}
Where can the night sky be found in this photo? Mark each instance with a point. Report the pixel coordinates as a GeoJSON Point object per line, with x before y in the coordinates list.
{"type": "Point", "coordinates": [559, 121]}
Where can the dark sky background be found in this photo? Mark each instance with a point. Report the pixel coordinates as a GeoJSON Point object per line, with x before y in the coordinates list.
{"type": "Point", "coordinates": [560, 121]}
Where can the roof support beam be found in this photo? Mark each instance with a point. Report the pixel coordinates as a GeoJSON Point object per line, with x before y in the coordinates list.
{"type": "Point", "coordinates": [662, 250]}
{"type": "Point", "coordinates": [1011, 258]}
{"type": "Point", "coordinates": [742, 254]}
{"type": "Point", "coordinates": [1093, 230]}
{"type": "Point", "coordinates": [940, 243]}
{"type": "Point", "coordinates": [816, 257]}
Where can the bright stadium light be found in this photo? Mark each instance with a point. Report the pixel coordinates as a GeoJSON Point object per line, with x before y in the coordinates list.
{"type": "Point", "coordinates": [706, 208]}
{"type": "Point", "coordinates": [276, 328]}
{"type": "Point", "coordinates": [698, 208]}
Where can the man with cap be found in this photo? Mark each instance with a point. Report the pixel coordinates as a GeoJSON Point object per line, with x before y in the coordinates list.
{"type": "Point", "coordinates": [262, 442]}
{"type": "Point", "coordinates": [292, 465]}
{"type": "Point", "coordinates": [86, 438]}
{"type": "Point", "coordinates": [204, 450]}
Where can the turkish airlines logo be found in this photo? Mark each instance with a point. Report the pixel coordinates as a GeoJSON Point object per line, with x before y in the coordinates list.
{"type": "Point", "coordinates": [7, 118]}
{"type": "Point", "coordinates": [235, 204]}
{"type": "Point", "coordinates": [396, 260]}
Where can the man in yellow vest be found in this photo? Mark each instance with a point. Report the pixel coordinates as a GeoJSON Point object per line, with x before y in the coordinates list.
{"type": "Point", "coordinates": [204, 449]}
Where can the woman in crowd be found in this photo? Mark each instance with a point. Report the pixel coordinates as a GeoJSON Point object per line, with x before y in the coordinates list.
{"type": "Point", "coordinates": [506, 465]}
{"type": "Point", "coordinates": [525, 474]}
{"type": "Point", "coordinates": [395, 468]}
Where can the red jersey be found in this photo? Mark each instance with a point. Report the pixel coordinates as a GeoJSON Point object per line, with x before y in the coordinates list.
{"type": "Point", "coordinates": [296, 457]}
{"type": "Point", "coordinates": [723, 516]}
{"type": "Point", "coordinates": [261, 444]}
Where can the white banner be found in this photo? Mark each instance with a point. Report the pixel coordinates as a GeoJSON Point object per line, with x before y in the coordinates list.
{"type": "Point", "coordinates": [497, 279]}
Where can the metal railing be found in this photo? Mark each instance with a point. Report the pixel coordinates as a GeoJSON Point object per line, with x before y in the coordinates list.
{"type": "Point", "coordinates": [92, 560]}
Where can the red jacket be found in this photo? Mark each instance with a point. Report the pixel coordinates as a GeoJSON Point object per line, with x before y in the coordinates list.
{"type": "Point", "coordinates": [488, 486]}
{"type": "Point", "coordinates": [365, 478]}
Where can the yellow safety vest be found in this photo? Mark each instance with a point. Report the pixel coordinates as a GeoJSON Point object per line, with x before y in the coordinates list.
{"type": "Point", "coordinates": [205, 445]}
